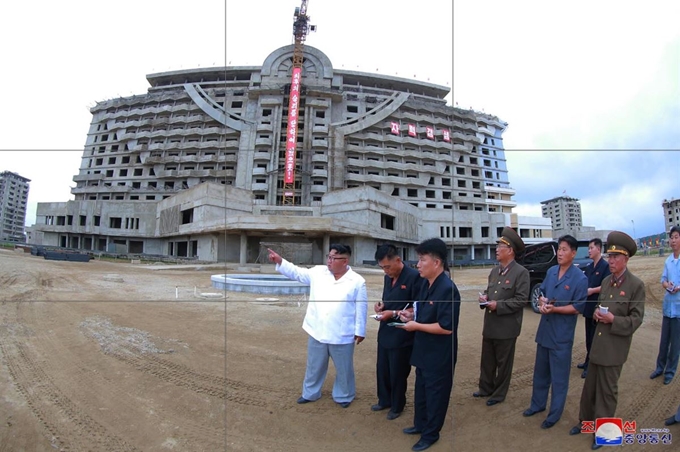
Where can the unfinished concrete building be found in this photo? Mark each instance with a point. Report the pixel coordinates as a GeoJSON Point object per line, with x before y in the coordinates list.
{"type": "Point", "coordinates": [671, 213]}
{"type": "Point", "coordinates": [13, 199]}
{"type": "Point", "coordinates": [195, 167]}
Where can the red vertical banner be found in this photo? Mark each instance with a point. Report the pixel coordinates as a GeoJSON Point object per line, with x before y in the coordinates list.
{"type": "Point", "coordinates": [429, 131]}
{"type": "Point", "coordinates": [412, 130]}
{"type": "Point", "coordinates": [395, 128]}
{"type": "Point", "coordinates": [447, 135]}
{"type": "Point", "coordinates": [291, 137]}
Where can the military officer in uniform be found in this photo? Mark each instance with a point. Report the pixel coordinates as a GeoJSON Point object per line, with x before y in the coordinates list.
{"type": "Point", "coordinates": [393, 366]}
{"type": "Point", "coordinates": [566, 289]}
{"type": "Point", "coordinates": [503, 302]}
{"type": "Point", "coordinates": [622, 308]}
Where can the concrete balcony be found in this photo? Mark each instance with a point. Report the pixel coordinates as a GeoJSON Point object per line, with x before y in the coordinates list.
{"type": "Point", "coordinates": [264, 128]}
{"type": "Point", "coordinates": [270, 101]}
{"type": "Point", "coordinates": [263, 142]}
{"type": "Point", "coordinates": [260, 187]}
{"type": "Point", "coordinates": [317, 143]}
{"type": "Point", "coordinates": [320, 158]}
{"type": "Point", "coordinates": [322, 103]}
{"type": "Point", "coordinates": [87, 177]}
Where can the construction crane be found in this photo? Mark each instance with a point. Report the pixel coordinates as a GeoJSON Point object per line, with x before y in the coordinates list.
{"type": "Point", "coordinates": [301, 28]}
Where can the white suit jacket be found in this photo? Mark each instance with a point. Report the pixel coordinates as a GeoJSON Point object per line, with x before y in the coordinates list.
{"type": "Point", "coordinates": [337, 309]}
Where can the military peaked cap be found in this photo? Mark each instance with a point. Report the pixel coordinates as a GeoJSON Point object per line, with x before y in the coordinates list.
{"type": "Point", "coordinates": [512, 239]}
{"type": "Point", "coordinates": [621, 243]}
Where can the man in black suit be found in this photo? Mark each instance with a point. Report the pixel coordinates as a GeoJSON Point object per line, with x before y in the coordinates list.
{"type": "Point", "coordinates": [434, 318]}
{"type": "Point", "coordinates": [393, 365]}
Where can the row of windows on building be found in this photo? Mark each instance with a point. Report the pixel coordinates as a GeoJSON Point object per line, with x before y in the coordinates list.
{"type": "Point", "coordinates": [114, 222]}
{"type": "Point", "coordinates": [446, 232]}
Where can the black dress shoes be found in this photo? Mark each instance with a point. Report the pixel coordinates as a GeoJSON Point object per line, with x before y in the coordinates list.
{"type": "Point", "coordinates": [529, 412]}
{"type": "Point", "coordinates": [670, 421]}
{"type": "Point", "coordinates": [595, 446]}
{"type": "Point", "coordinates": [492, 402]}
{"type": "Point", "coordinates": [479, 394]}
{"type": "Point", "coordinates": [411, 431]}
{"type": "Point", "coordinates": [546, 424]}
{"type": "Point", "coordinates": [584, 374]}
{"type": "Point", "coordinates": [392, 415]}
{"type": "Point", "coordinates": [421, 445]}
{"type": "Point", "coordinates": [667, 380]}
{"type": "Point", "coordinates": [344, 404]}
{"type": "Point", "coordinates": [655, 374]}
{"type": "Point", "coordinates": [302, 400]}
{"type": "Point", "coordinates": [581, 365]}
{"type": "Point", "coordinates": [575, 430]}
{"type": "Point", "coordinates": [378, 407]}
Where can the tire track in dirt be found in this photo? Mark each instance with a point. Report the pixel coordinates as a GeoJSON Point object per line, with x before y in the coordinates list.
{"type": "Point", "coordinates": [52, 408]}
{"type": "Point", "coordinates": [522, 378]}
{"type": "Point", "coordinates": [652, 405]}
{"type": "Point", "coordinates": [80, 375]}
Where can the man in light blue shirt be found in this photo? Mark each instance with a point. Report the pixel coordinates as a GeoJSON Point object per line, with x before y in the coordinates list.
{"type": "Point", "coordinates": [669, 345]}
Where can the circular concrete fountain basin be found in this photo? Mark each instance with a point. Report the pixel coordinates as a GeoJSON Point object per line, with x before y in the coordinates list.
{"type": "Point", "coordinates": [264, 284]}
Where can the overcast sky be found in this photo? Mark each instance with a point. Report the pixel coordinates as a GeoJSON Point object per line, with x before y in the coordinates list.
{"type": "Point", "coordinates": [599, 77]}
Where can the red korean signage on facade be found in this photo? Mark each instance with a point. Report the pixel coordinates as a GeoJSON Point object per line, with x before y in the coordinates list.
{"type": "Point", "coordinates": [429, 131]}
{"type": "Point", "coordinates": [291, 138]}
{"type": "Point", "coordinates": [395, 128]}
{"type": "Point", "coordinates": [447, 135]}
{"type": "Point", "coordinates": [412, 130]}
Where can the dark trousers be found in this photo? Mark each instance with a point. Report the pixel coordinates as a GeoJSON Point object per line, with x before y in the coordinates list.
{"type": "Point", "coordinates": [433, 391]}
{"type": "Point", "coordinates": [669, 346]}
{"type": "Point", "coordinates": [498, 356]}
{"type": "Point", "coordinates": [392, 370]}
{"type": "Point", "coordinates": [600, 393]}
{"type": "Point", "coordinates": [590, 333]}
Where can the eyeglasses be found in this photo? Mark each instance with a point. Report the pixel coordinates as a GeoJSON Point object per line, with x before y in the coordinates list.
{"type": "Point", "coordinates": [333, 258]}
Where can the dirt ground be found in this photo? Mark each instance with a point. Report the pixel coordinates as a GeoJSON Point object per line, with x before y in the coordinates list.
{"type": "Point", "coordinates": [102, 356]}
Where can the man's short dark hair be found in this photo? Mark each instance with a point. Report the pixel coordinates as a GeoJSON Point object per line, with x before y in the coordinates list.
{"type": "Point", "coordinates": [386, 251]}
{"type": "Point", "coordinates": [674, 229]}
{"type": "Point", "coordinates": [597, 242]}
{"type": "Point", "coordinates": [434, 247]}
{"type": "Point", "coordinates": [569, 240]}
{"type": "Point", "coordinates": [341, 249]}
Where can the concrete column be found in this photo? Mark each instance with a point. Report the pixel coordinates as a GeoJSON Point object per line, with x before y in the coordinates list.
{"type": "Point", "coordinates": [326, 244]}
{"type": "Point", "coordinates": [472, 252]}
{"type": "Point", "coordinates": [244, 248]}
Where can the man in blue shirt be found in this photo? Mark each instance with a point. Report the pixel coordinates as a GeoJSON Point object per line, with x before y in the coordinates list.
{"type": "Point", "coordinates": [565, 289]}
{"type": "Point", "coordinates": [595, 272]}
{"type": "Point", "coordinates": [669, 345]}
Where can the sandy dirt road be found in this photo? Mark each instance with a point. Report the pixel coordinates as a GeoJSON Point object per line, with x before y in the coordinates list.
{"type": "Point", "coordinates": [100, 356]}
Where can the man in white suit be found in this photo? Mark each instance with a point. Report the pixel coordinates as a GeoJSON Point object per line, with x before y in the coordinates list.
{"type": "Point", "coordinates": [335, 321]}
